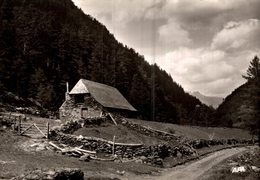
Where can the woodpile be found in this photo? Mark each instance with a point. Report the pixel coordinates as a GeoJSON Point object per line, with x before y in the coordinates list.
{"type": "Point", "coordinates": [78, 152]}
{"type": "Point", "coordinates": [74, 151]}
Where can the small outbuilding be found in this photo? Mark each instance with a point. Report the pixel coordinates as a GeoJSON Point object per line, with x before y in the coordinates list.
{"type": "Point", "coordinates": [89, 99]}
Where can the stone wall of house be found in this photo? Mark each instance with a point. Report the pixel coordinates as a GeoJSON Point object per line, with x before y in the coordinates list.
{"type": "Point", "coordinates": [70, 110]}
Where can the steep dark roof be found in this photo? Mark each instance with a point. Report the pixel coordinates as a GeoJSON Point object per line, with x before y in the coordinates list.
{"type": "Point", "coordinates": [106, 95]}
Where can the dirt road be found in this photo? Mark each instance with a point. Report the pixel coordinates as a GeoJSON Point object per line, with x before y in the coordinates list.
{"type": "Point", "coordinates": [196, 169]}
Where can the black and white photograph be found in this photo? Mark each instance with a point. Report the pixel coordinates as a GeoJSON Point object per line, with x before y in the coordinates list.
{"type": "Point", "coordinates": [129, 89]}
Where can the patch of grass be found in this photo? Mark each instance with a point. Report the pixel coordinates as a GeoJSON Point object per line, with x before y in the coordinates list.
{"type": "Point", "coordinates": [123, 134]}
{"type": "Point", "coordinates": [170, 130]}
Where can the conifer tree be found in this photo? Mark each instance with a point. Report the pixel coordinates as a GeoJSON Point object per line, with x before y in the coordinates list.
{"type": "Point", "coordinates": [253, 71]}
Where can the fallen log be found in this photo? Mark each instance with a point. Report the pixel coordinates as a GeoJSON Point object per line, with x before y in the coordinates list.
{"type": "Point", "coordinates": [54, 145]}
{"type": "Point", "coordinates": [85, 151]}
{"type": "Point", "coordinates": [125, 144]}
{"type": "Point", "coordinates": [68, 149]}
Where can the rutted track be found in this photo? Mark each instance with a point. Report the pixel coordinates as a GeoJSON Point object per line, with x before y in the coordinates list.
{"type": "Point", "coordinates": [194, 170]}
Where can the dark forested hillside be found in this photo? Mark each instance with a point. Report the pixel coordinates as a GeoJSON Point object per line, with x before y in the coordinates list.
{"type": "Point", "coordinates": [241, 108]}
{"type": "Point", "coordinates": [45, 43]}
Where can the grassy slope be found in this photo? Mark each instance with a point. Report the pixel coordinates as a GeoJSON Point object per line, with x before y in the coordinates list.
{"type": "Point", "coordinates": [125, 135]}
{"type": "Point", "coordinates": [196, 132]}
{"type": "Point", "coordinates": [107, 131]}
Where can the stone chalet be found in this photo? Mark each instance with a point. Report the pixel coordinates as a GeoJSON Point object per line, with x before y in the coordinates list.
{"type": "Point", "coordinates": [89, 99]}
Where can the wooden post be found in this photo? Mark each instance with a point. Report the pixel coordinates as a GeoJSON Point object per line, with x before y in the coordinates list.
{"type": "Point", "coordinates": [14, 123]}
{"type": "Point", "coordinates": [112, 119]}
{"type": "Point", "coordinates": [113, 148]}
{"type": "Point", "coordinates": [19, 125]}
{"type": "Point", "coordinates": [10, 116]}
{"type": "Point", "coordinates": [48, 128]}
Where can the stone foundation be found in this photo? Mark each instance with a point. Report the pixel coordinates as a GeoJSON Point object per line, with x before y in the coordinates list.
{"type": "Point", "coordinates": [71, 110]}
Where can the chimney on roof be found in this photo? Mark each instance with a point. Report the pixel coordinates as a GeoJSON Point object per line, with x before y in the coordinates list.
{"type": "Point", "coordinates": [67, 87]}
{"type": "Point", "coordinates": [67, 95]}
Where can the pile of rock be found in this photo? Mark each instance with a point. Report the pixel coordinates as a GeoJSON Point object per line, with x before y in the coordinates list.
{"type": "Point", "coordinates": [5, 122]}
{"type": "Point", "coordinates": [70, 126]}
{"type": "Point", "coordinates": [201, 143]}
{"type": "Point", "coordinates": [52, 174]}
{"type": "Point", "coordinates": [94, 121]}
{"type": "Point", "coordinates": [73, 125]}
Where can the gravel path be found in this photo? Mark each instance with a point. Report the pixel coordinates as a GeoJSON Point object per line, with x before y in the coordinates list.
{"type": "Point", "coordinates": [196, 169]}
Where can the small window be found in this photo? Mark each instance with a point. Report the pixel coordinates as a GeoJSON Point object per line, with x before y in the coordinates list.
{"type": "Point", "coordinates": [79, 98]}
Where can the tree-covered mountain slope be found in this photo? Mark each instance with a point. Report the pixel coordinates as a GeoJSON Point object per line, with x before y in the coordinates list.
{"type": "Point", "coordinates": [241, 108]}
{"type": "Point", "coordinates": [45, 43]}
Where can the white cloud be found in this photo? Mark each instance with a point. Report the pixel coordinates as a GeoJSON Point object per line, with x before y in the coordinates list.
{"type": "Point", "coordinates": [238, 35]}
{"type": "Point", "coordinates": [173, 34]}
{"type": "Point", "coordinates": [196, 65]}
{"type": "Point", "coordinates": [212, 72]}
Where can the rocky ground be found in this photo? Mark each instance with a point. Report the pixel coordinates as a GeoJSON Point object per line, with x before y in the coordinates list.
{"type": "Point", "coordinates": [244, 166]}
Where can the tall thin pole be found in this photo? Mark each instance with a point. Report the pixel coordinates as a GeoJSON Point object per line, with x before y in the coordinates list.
{"type": "Point", "coordinates": [48, 128]}
{"type": "Point", "coordinates": [19, 125]}
{"type": "Point", "coordinates": [113, 148]}
{"type": "Point", "coordinates": [67, 87]}
{"type": "Point", "coordinates": [153, 68]}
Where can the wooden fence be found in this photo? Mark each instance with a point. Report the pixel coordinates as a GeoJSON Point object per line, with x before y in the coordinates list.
{"type": "Point", "coordinates": [26, 125]}
{"type": "Point", "coordinates": [32, 129]}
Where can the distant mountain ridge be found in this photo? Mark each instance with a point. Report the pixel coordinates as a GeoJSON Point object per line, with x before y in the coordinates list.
{"type": "Point", "coordinates": [208, 100]}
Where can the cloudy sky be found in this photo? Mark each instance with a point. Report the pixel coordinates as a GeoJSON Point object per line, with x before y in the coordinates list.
{"type": "Point", "coordinates": [205, 45]}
